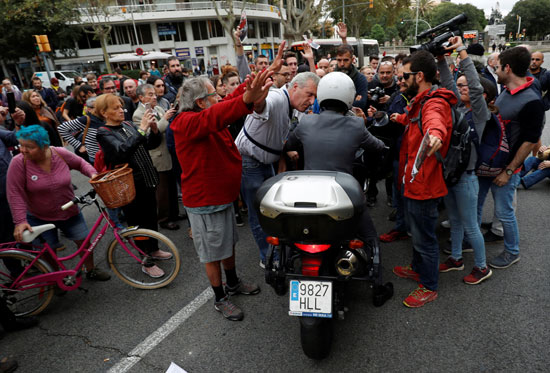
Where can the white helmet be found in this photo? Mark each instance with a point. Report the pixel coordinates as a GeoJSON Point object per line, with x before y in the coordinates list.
{"type": "Point", "coordinates": [336, 86]}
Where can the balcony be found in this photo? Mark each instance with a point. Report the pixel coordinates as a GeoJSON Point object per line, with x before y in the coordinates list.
{"type": "Point", "coordinates": [145, 11]}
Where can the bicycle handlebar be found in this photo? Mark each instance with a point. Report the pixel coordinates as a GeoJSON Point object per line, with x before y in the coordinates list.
{"type": "Point", "coordinates": [67, 205]}
{"type": "Point", "coordinates": [79, 199]}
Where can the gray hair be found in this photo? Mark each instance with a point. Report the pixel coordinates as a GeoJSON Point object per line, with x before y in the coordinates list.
{"type": "Point", "coordinates": [91, 102]}
{"type": "Point", "coordinates": [302, 79]}
{"type": "Point", "coordinates": [191, 90]}
{"type": "Point", "coordinates": [142, 89]}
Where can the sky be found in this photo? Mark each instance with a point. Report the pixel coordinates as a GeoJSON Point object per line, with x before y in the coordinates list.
{"type": "Point", "coordinates": [505, 5]}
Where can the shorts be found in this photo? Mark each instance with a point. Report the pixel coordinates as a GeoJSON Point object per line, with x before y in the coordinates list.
{"type": "Point", "coordinates": [214, 235]}
{"type": "Point", "coordinates": [74, 228]}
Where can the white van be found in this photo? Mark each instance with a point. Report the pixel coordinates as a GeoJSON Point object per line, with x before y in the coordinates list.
{"type": "Point", "coordinates": [65, 77]}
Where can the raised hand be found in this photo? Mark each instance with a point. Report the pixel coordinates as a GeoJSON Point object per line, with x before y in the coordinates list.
{"type": "Point", "coordinates": [278, 61]}
{"type": "Point", "coordinates": [308, 52]}
{"type": "Point", "coordinates": [342, 30]}
{"type": "Point", "coordinates": [257, 87]}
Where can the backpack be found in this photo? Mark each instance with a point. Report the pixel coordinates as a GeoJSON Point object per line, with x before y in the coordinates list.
{"type": "Point", "coordinates": [493, 150]}
{"type": "Point", "coordinates": [458, 156]}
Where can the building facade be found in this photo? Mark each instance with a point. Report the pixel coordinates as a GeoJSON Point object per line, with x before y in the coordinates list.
{"type": "Point", "coordinates": [189, 30]}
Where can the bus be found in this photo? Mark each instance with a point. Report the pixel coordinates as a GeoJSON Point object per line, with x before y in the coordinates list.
{"type": "Point", "coordinates": [328, 47]}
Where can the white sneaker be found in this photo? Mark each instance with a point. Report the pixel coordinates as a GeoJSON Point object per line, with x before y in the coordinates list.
{"type": "Point", "coordinates": [446, 224]}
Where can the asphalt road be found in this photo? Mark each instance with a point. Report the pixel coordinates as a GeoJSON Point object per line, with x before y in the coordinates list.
{"type": "Point", "coordinates": [502, 324]}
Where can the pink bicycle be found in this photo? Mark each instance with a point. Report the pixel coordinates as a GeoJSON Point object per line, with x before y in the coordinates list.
{"type": "Point", "coordinates": [28, 279]}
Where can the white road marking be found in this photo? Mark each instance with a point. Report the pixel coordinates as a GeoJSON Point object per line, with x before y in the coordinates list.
{"type": "Point", "coordinates": [164, 331]}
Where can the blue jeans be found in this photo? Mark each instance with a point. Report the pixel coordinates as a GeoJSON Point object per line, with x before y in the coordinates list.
{"type": "Point", "coordinates": [423, 219]}
{"type": "Point", "coordinates": [253, 175]}
{"type": "Point", "coordinates": [461, 205]}
{"type": "Point", "coordinates": [530, 179]}
{"type": "Point", "coordinates": [504, 209]}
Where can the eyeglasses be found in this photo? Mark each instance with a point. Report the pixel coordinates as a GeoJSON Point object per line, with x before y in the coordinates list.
{"type": "Point", "coordinates": [283, 74]}
{"type": "Point", "coordinates": [400, 78]}
{"type": "Point", "coordinates": [210, 94]}
{"type": "Point", "coordinates": [460, 85]}
{"type": "Point", "coordinates": [406, 76]}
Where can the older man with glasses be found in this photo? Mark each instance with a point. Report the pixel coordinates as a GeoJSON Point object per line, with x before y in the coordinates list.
{"type": "Point", "coordinates": [211, 177]}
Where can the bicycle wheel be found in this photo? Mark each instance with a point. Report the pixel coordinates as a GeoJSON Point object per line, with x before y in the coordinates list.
{"type": "Point", "coordinates": [129, 270]}
{"type": "Point", "coordinates": [23, 302]}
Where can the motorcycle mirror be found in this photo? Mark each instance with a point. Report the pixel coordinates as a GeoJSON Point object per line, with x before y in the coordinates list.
{"type": "Point", "coordinates": [380, 119]}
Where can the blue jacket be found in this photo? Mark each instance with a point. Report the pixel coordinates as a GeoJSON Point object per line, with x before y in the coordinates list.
{"type": "Point", "coordinates": [50, 97]}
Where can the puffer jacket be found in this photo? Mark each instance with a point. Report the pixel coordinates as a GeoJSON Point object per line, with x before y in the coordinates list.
{"type": "Point", "coordinates": [437, 118]}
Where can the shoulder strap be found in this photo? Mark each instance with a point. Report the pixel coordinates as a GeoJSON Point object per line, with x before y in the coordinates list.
{"type": "Point", "coordinates": [60, 156]}
{"type": "Point", "coordinates": [88, 120]}
{"type": "Point", "coordinates": [261, 146]}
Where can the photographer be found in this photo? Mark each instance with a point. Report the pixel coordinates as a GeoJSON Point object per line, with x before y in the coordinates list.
{"type": "Point", "coordinates": [381, 88]}
{"type": "Point", "coordinates": [385, 81]}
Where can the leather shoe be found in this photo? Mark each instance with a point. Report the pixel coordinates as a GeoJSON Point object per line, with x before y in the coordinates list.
{"type": "Point", "coordinates": [169, 225]}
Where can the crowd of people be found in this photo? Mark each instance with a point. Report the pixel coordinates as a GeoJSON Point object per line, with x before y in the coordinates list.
{"type": "Point", "coordinates": [212, 141]}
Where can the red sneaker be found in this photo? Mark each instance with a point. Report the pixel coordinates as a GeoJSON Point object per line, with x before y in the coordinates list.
{"type": "Point", "coordinates": [393, 235]}
{"type": "Point", "coordinates": [419, 297]}
{"type": "Point", "coordinates": [406, 272]}
{"type": "Point", "coordinates": [478, 275]}
{"type": "Point", "coordinates": [451, 265]}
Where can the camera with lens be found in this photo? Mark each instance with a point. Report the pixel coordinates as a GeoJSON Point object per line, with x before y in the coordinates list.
{"type": "Point", "coordinates": [376, 93]}
{"type": "Point", "coordinates": [439, 36]}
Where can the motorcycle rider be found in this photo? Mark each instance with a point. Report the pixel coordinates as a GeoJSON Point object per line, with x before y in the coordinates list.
{"type": "Point", "coordinates": [331, 139]}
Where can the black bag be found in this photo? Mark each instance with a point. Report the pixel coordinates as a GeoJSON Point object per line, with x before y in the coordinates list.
{"type": "Point", "coordinates": [456, 161]}
{"type": "Point", "coordinates": [493, 151]}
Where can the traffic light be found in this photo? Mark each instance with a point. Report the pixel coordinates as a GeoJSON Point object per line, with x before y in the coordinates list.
{"type": "Point", "coordinates": [42, 43]}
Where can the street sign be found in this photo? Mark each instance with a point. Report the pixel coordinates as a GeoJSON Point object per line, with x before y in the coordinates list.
{"type": "Point", "coordinates": [139, 51]}
{"type": "Point", "coordinates": [166, 30]}
{"type": "Point", "coordinates": [183, 53]}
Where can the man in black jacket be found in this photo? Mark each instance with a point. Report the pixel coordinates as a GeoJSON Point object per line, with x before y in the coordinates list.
{"type": "Point", "coordinates": [344, 57]}
{"type": "Point", "coordinates": [173, 80]}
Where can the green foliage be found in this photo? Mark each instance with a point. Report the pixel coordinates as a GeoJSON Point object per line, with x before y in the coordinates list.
{"type": "Point", "coordinates": [445, 11]}
{"type": "Point", "coordinates": [533, 15]}
{"type": "Point", "coordinates": [23, 18]}
{"type": "Point", "coordinates": [377, 32]}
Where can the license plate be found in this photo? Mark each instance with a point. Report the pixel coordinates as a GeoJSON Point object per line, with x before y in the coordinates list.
{"type": "Point", "coordinates": [310, 298]}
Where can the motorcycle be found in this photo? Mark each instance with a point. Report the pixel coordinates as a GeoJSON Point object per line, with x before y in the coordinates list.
{"type": "Point", "coordinates": [311, 219]}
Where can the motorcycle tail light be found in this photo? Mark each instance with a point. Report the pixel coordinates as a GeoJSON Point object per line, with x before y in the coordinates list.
{"type": "Point", "coordinates": [310, 266]}
{"type": "Point", "coordinates": [312, 249]}
{"type": "Point", "coordinates": [355, 244]}
{"type": "Point", "coordinates": [272, 240]}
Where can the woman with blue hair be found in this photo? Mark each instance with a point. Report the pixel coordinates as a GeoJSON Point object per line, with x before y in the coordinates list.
{"type": "Point", "coordinates": [39, 183]}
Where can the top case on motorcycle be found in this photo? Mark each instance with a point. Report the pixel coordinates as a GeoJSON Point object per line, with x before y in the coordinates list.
{"type": "Point", "coordinates": [314, 206]}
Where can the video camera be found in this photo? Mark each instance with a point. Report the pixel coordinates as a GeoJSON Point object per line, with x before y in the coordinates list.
{"type": "Point", "coordinates": [376, 93]}
{"type": "Point", "coordinates": [437, 44]}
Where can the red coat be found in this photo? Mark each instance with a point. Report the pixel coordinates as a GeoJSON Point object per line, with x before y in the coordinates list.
{"type": "Point", "coordinates": [437, 118]}
{"type": "Point", "coordinates": [210, 162]}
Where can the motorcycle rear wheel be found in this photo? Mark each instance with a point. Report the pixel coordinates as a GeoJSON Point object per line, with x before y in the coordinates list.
{"type": "Point", "coordinates": [316, 336]}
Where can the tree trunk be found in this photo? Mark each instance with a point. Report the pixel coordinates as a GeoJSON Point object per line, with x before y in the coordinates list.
{"type": "Point", "coordinates": [103, 42]}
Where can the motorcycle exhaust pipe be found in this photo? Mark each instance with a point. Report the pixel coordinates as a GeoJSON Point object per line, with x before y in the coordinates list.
{"type": "Point", "coordinates": [348, 264]}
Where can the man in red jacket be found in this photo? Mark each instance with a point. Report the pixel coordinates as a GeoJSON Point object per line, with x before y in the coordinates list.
{"type": "Point", "coordinates": [211, 177]}
{"type": "Point", "coordinates": [423, 190]}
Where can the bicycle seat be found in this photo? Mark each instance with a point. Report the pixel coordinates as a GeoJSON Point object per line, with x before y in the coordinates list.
{"type": "Point", "coordinates": [37, 231]}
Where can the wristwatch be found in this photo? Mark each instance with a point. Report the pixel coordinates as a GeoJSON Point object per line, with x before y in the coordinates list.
{"type": "Point", "coordinates": [509, 172]}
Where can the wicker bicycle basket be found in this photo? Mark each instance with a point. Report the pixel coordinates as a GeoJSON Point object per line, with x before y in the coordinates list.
{"type": "Point", "coordinates": [115, 187]}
